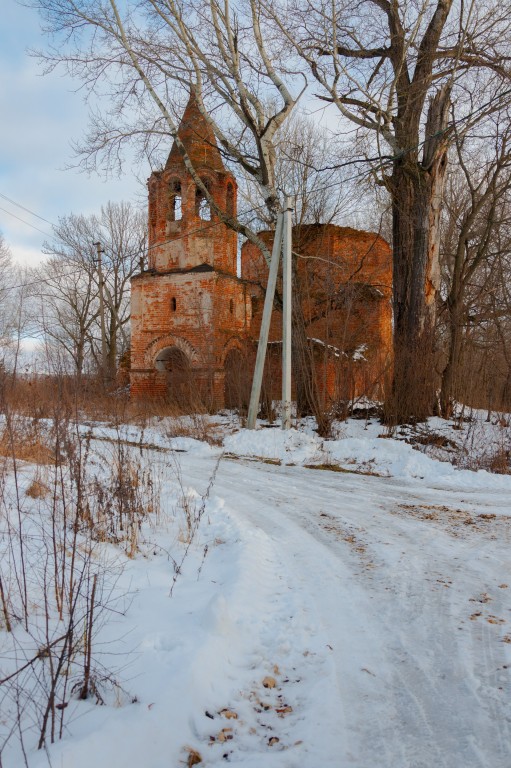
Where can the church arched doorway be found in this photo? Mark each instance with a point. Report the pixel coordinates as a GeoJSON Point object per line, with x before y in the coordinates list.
{"type": "Point", "coordinates": [173, 362]}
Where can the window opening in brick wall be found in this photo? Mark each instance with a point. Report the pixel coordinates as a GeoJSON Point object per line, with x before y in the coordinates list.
{"type": "Point", "coordinates": [176, 202]}
{"type": "Point", "coordinates": [202, 207]}
{"type": "Point", "coordinates": [231, 306]}
{"type": "Point", "coordinates": [173, 304]}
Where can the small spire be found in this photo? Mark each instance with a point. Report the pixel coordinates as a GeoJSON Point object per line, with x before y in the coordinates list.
{"type": "Point", "coordinates": [198, 138]}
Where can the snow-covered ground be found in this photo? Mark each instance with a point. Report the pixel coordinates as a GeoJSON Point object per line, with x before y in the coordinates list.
{"type": "Point", "coordinates": [342, 603]}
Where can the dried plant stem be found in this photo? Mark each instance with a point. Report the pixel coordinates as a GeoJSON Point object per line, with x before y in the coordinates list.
{"type": "Point", "coordinates": [4, 607]}
{"type": "Point", "coordinates": [88, 650]}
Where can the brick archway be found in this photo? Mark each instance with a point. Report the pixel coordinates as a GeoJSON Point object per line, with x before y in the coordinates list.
{"type": "Point", "coordinates": [174, 364]}
{"type": "Point", "coordinates": [163, 342]}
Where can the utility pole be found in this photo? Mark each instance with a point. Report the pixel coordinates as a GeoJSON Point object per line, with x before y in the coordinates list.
{"type": "Point", "coordinates": [286, 313]}
{"type": "Point", "coordinates": [104, 356]}
{"type": "Point", "coordinates": [265, 324]}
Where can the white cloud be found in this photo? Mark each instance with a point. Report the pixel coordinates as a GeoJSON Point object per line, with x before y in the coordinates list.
{"type": "Point", "coordinates": [41, 116]}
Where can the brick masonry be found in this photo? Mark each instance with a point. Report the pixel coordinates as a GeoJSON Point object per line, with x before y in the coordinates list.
{"type": "Point", "coordinates": [193, 318]}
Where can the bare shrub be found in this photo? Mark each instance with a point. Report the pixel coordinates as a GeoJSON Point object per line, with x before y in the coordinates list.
{"type": "Point", "coordinates": [499, 462]}
{"type": "Point", "coordinates": [192, 506]}
{"type": "Point", "coordinates": [198, 426]}
{"type": "Point", "coordinates": [35, 397]}
{"type": "Point", "coordinates": [479, 452]}
{"type": "Point", "coordinates": [121, 501]}
{"type": "Point", "coordinates": [25, 440]}
{"type": "Point", "coordinates": [56, 586]}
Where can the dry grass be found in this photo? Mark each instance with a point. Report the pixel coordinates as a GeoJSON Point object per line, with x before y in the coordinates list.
{"type": "Point", "coordinates": [37, 489]}
{"type": "Point", "coordinates": [198, 426]}
{"type": "Point", "coordinates": [458, 522]}
{"type": "Point", "coordinates": [40, 397]}
{"type": "Point", "coordinates": [25, 442]}
{"type": "Point", "coordinates": [499, 462]}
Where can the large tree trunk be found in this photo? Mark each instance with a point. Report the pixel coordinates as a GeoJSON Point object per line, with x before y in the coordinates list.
{"type": "Point", "coordinates": [417, 189]}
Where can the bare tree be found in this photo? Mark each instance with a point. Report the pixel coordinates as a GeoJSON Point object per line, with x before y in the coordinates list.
{"type": "Point", "coordinates": [393, 69]}
{"type": "Point", "coordinates": [477, 218]}
{"type": "Point", "coordinates": [321, 191]}
{"type": "Point", "coordinates": [152, 58]}
{"type": "Point", "coordinates": [123, 234]}
{"type": "Point", "coordinates": [226, 57]}
{"type": "Point", "coordinates": [66, 293]}
{"type": "Point", "coordinates": [502, 320]}
{"type": "Point", "coordinates": [68, 285]}
{"type": "Point", "coordinates": [5, 314]}
{"type": "Point", "coordinates": [6, 270]}
{"type": "Point", "coordinates": [15, 317]}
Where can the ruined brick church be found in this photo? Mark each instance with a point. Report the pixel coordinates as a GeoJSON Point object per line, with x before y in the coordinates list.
{"type": "Point", "coordinates": [195, 316]}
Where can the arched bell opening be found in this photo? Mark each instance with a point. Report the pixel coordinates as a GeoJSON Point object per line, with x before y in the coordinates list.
{"type": "Point", "coordinates": [237, 381]}
{"type": "Point", "coordinates": [173, 362]}
{"type": "Point", "coordinates": [202, 206]}
{"type": "Point", "coordinates": [175, 202]}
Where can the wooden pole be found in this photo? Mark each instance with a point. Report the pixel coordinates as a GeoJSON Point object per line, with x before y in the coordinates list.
{"type": "Point", "coordinates": [265, 325]}
{"type": "Point", "coordinates": [286, 315]}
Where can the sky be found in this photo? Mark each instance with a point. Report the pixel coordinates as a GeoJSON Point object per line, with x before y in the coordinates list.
{"type": "Point", "coordinates": [40, 116]}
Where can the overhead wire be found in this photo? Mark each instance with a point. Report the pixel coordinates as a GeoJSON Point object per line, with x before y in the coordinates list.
{"type": "Point", "coordinates": [133, 254]}
{"type": "Point", "coordinates": [32, 213]}
{"type": "Point", "coordinates": [23, 221]}
{"type": "Point", "coordinates": [384, 161]}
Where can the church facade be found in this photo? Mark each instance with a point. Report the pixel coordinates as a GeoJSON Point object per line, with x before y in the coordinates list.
{"type": "Point", "coordinates": [195, 321]}
{"type": "Point", "coordinates": [189, 309]}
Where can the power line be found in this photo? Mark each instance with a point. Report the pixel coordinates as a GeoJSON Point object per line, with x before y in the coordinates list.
{"type": "Point", "coordinates": [384, 161]}
{"type": "Point", "coordinates": [23, 221]}
{"type": "Point", "coordinates": [131, 254]}
{"type": "Point", "coordinates": [32, 213]}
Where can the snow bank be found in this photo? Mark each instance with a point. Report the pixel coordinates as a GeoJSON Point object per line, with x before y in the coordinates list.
{"type": "Point", "coordinates": [382, 456]}
{"type": "Point", "coordinates": [291, 446]}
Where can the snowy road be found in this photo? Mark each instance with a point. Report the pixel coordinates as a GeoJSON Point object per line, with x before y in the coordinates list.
{"type": "Point", "coordinates": [389, 601]}
{"type": "Point", "coordinates": [321, 619]}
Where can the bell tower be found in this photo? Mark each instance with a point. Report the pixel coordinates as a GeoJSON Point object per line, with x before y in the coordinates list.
{"type": "Point", "coordinates": [183, 230]}
{"type": "Point", "coordinates": [189, 310]}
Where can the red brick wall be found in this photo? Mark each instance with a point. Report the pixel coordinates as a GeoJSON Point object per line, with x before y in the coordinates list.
{"type": "Point", "coordinates": [210, 317]}
{"type": "Point", "coordinates": [192, 240]}
{"type": "Point", "coordinates": [345, 281]}
{"type": "Point", "coordinates": [203, 313]}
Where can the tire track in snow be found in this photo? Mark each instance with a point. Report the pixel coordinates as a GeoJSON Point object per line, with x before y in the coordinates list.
{"type": "Point", "coordinates": [397, 710]}
{"type": "Point", "coordinates": [261, 631]}
{"type": "Point", "coordinates": [433, 701]}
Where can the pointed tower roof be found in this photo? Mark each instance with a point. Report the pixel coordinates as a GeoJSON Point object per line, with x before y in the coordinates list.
{"type": "Point", "coordinates": [198, 138]}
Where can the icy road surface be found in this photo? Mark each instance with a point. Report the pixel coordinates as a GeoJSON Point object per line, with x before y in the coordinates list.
{"type": "Point", "coordinates": [400, 616]}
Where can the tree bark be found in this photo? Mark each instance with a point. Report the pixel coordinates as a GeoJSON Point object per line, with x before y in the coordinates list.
{"type": "Point", "coordinates": [448, 393]}
{"type": "Point", "coordinates": [417, 190]}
